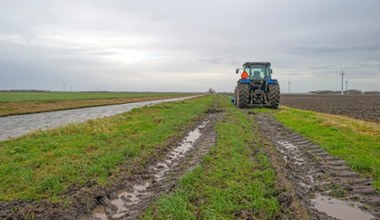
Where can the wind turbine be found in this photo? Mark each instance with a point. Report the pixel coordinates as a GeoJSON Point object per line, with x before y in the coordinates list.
{"type": "Point", "coordinates": [342, 74]}
{"type": "Point", "coordinates": [64, 86]}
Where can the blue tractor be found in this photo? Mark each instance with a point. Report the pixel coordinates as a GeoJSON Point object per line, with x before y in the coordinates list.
{"type": "Point", "coordinates": [256, 88]}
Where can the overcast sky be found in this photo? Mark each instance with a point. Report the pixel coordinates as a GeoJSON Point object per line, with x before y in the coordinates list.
{"type": "Point", "coordinates": [193, 45]}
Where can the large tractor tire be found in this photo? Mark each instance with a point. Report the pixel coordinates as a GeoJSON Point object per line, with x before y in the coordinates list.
{"type": "Point", "coordinates": [274, 95]}
{"type": "Point", "coordinates": [242, 98]}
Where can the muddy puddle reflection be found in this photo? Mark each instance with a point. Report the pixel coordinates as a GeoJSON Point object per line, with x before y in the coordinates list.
{"type": "Point", "coordinates": [158, 171]}
{"type": "Point", "coordinates": [333, 207]}
{"type": "Point", "coordinates": [316, 174]}
{"type": "Point", "coordinates": [340, 209]}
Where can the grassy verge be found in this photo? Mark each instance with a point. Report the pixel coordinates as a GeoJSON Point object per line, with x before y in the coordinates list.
{"type": "Point", "coordinates": [13, 103]}
{"type": "Point", "coordinates": [45, 164]}
{"type": "Point", "coordinates": [235, 180]}
{"type": "Point", "coordinates": [355, 141]}
{"type": "Point", "coordinates": [57, 96]}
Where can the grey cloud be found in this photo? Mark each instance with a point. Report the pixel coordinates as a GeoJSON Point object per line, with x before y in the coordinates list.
{"type": "Point", "coordinates": [337, 49]}
{"type": "Point", "coordinates": [211, 61]}
{"type": "Point", "coordinates": [219, 61]}
{"type": "Point", "coordinates": [321, 67]}
{"type": "Point", "coordinates": [147, 45]}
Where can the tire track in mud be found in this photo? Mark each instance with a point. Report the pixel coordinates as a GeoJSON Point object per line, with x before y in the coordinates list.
{"type": "Point", "coordinates": [325, 185]}
{"type": "Point", "coordinates": [130, 200]}
{"type": "Point", "coordinates": [134, 185]}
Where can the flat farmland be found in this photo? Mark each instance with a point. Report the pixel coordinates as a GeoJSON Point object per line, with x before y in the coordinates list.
{"type": "Point", "coordinates": [14, 103]}
{"type": "Point", "coordinates": [364, 107]}
{"type": "Point", "coordinates": [199, 158]}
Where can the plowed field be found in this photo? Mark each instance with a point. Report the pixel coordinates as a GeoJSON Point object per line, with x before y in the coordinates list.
{"type": "Point", "coordinates": [364, 107]}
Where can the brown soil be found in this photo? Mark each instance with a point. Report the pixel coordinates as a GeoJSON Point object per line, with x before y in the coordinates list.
{"type": "Point", "coordinates": [308, 173]}
{"type": "Point", "coordinates": [94, 201]}
{"type": "Point", "coordinates": [364, 107]}
{"type": "Point", "coordinates": [292, 207]}
{"type": "Point", "coordinates": [18, 108]}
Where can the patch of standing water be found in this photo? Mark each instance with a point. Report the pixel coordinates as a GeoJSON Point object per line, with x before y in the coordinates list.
{"type": "Point", "coordinates": [287, 145]}
{"type": "Point", "coordinates": [99, 213]}
{"type": "Point", "coordinates": [310, 176]}
{"type": "Point", "coordinates": [340, 209]}
{"type": "Point", "coordinates": [159, 170]}
{"type": "Point", "coordinates": [292, 154]}
{"type": "Point", "coordinates": [289, 150]}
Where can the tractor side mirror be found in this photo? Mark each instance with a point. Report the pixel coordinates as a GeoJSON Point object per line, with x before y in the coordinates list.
{"type": "Point", "coordinates": [238, 70]}
{"type": "Point", "coordinates": [271, 71]}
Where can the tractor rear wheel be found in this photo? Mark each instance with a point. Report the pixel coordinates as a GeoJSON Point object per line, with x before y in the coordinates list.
{"type": "Point", "coordinates": [242, 98]}
{"type": "Point", "coordinates": [274, 95]}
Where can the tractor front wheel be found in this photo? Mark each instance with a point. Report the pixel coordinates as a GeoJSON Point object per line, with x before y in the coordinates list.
{"type": "Point", "coordinates": [242, 97]}
{"type": "Point", "coordinates": [274, 95]}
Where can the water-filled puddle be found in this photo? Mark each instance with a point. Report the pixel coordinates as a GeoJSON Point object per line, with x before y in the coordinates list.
{"type": "Point", "coordinates": [159, 171]}
{"type": "Point", "coordinates": [290, 151]}
{"type": "Point", "coordinates": [99, 213]}
{"type": "Point", "coordinates": [340, 209]}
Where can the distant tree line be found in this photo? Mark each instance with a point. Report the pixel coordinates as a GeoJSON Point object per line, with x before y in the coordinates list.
{"type": "Point", "coordinates": [98, 91]}
{"type": "Point", "coordinates": [350, 91]}
{"type": "Point", "coordinates": [372, 92]}
{"type": "Point", "coordinates": [24, 90]}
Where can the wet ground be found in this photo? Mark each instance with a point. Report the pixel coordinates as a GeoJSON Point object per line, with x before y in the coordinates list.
{"type": "Point", "coordinates": [316, 185]}
{"type": "Point", "coordinates": [129, 201]}
{"type": "Point", "coordinates": [325, 185]}
{"type": "Point", "coordinates": [133, 187]}
{"type": "Point", "coordinates": [18, 125]}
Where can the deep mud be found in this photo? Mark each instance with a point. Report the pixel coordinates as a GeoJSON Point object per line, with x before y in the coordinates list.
{"type": "Point", "coordinates": [324, 185]}
{"type": "Point", "coordinates": [133, 187]}
{"type": "Point", "coordinates": [364, 107]}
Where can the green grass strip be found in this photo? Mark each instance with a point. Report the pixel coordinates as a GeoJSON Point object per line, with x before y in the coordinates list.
{"type": "Point", "coordinates": [357, 142]}
{"type": "Point", "coordinates": [57, 96]}
{"type": "Point", "coordinates": [233, 179]}
{"type": "Point", "coordinates": [45, 164]}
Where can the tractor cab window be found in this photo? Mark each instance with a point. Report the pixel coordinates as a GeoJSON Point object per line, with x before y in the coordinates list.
{"type": "Point", "coordinates": [257, 72]}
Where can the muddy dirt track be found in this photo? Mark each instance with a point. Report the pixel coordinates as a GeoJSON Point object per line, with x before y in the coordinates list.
{"type": "Point", "coordinates": [132, 198]}
{"type": "Point", "coordinates": [315, 185]}
{"type": "Point", "coordinates": [364, 107]}
{"type": "Point", "coordinates": [324, 186]}
{"type": "Point", "coordinates": [134, 187]}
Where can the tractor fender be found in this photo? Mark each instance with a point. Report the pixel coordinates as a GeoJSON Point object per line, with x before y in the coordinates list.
{"type": "Point", "coordinates": [244, 81]}
{"type": "Point", "coordinates": [272, 81]}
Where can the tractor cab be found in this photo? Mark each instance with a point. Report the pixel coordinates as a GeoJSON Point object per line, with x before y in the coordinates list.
{"type": "Point", "coordinates": [257, 71]}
